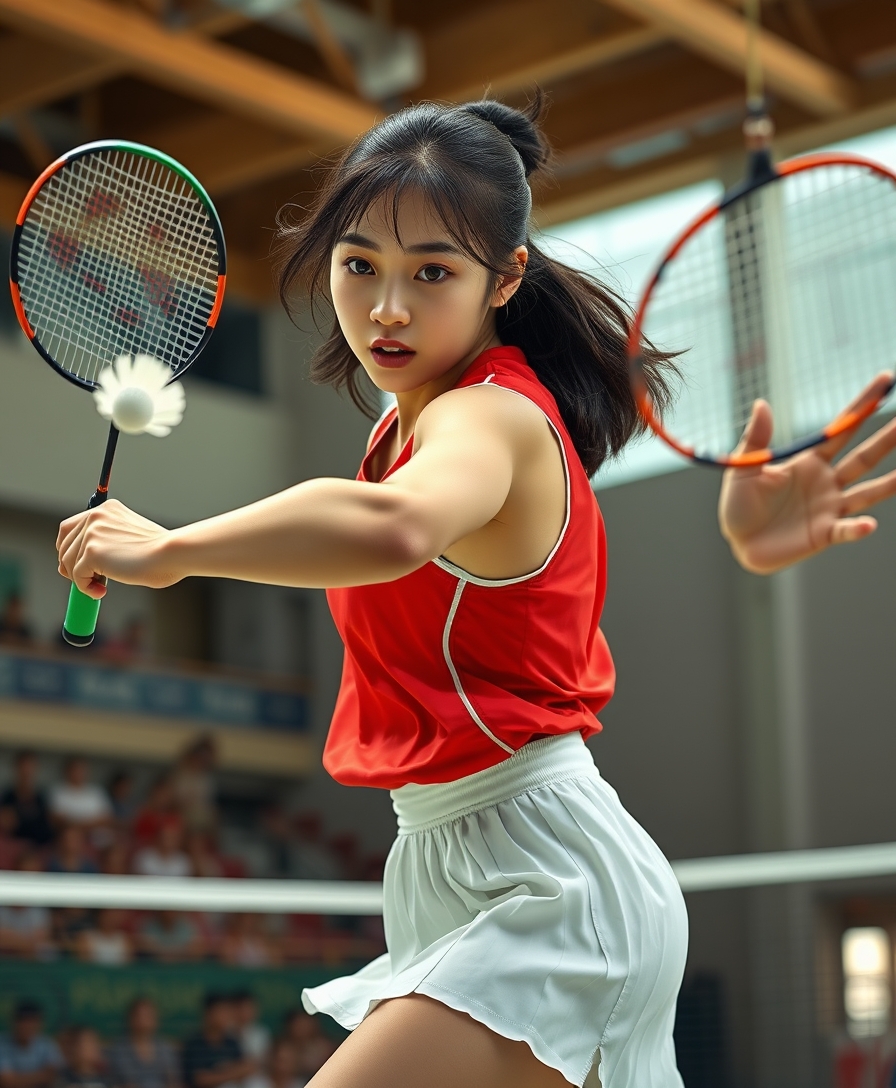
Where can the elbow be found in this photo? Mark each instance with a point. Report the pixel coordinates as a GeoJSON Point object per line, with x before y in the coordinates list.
{"type": "Point", "coordinates": [407, 539]}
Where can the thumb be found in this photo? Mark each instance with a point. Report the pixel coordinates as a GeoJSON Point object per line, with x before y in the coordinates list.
{"type": "Point", "coordinates": [758, 431]}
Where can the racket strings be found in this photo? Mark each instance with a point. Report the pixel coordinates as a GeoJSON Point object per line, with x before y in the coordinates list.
{"type": "Point", "coordinates": [118, 255]}
{"type": "Point", "coordinates": [788, 294]}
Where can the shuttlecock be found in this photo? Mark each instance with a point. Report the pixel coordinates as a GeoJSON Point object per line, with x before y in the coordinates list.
{"type": "Point", "coordinates": [135, 395]}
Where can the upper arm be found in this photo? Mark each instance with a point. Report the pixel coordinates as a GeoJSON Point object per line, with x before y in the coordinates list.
{"type": "Point", "coordinates": [468, 446]}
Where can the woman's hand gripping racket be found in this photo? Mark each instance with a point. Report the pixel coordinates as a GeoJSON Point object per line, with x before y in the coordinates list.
{"type": "Point", "coordinates": [117, 277]}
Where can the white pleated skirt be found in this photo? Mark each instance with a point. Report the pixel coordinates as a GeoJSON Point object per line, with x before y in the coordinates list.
{"type": "Point", "coordinates": [526, 896]}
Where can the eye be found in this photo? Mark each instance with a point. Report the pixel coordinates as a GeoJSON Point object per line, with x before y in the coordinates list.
{"type": "Point", "coordinates": [358, 266]}
{"type": "Point", "coordinates": [432, 273]}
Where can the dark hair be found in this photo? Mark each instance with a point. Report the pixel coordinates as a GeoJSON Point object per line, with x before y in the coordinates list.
{"type": "Point", "coordinates": [214, 998]}
{"type": "Point", "coordinates": [27, 1009]}
{"type": "Point", "coordinates": [472, 163]}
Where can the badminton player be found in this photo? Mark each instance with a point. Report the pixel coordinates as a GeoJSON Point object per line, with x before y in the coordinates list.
{"type": "Point", "coordinates": [533, 928]}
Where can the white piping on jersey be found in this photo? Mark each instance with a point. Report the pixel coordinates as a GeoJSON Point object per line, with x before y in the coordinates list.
{"type": "Point", "coordinates": [458, 686]}
{"type": "Point", "coordinates": [466, 576]}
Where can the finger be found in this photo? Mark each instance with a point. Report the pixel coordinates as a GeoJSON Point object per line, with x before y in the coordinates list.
{"type": "Point", "coordinates": [876, 389]}
{"type": "Point", "coordinates": [870, 493]}
{"type": "Point", "coordinates": [848, 530]}
{"type": "Point", "coordinates": [68, 527]}
{"type": "Point", "coordinates": [87, 578]}
{"type": "Point", "coordinates": [71, 549]}
{"type": "Point", "coordinates": [758, 431]}
{"type": "Point", "coordinates": [867, 454]}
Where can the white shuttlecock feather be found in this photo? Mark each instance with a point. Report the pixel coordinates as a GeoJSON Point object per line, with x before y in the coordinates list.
{"type": "Point", "coordinates": [135, 395]}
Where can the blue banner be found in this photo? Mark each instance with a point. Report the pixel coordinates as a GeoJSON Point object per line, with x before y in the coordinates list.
{"type": "Point", "coordinates": [147, 691]}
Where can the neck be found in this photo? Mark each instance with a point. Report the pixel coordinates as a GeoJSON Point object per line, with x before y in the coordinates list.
{"type": "Point", "coordinates": [412, 403]}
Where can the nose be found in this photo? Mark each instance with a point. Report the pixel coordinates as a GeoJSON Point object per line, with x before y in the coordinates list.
{"type": "Point", "coordinates": [390, 308]}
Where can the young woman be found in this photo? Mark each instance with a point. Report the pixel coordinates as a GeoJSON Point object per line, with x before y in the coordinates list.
{"type": "Point", "coordinates": [533, 927]}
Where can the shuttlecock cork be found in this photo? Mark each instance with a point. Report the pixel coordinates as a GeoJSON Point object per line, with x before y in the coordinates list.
{"type": "Point", "coordinates": [135, 394]}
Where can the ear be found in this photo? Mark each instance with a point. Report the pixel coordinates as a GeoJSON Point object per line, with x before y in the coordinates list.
{"type": "Point", "coordinates": [508, 285]}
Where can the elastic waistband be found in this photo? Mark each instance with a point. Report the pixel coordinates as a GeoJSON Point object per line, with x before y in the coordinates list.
{"type": "Point", "coordinates": [536, 764]}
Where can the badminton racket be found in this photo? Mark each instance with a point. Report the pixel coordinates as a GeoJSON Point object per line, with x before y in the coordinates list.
{"type": "Point", "coordinates": [117, 251]}
{"type": "Point", "coordinates": [785, 290]}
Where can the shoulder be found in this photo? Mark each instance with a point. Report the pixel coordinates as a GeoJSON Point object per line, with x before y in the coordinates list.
{"type": "Point", "coordinates": [487, 410]}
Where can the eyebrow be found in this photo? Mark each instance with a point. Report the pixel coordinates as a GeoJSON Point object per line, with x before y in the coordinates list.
{"type": "Point", "coordinates": [420, 247]}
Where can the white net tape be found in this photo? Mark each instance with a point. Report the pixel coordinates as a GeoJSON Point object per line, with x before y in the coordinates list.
{"type": "Point", "coordinates": [352, 897]}
{"type": "Point", "coordinates": [118, 255]}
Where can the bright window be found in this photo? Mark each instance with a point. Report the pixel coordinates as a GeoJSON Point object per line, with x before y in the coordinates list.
{"type": "Point", "coordinates": [867, 994]}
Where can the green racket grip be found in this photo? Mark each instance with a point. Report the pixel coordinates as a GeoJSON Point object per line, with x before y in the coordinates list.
{"type": "Point", "coordinates": [80, 618]}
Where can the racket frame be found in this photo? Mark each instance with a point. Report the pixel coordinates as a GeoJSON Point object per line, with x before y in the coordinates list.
{"type": "Point", "coordinates": [69, 157]}
{"type": "Point", "coordinates": [762, 171]}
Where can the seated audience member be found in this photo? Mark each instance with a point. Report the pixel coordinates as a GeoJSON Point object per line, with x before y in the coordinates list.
{"type": "Point", "coordinates": [23, 807]}
{"type": "Point", "coordinates": [245, 944]}
{"type": "Point", "coordinates": [86, 1067]}
{"type": "Point", "coordinates": [212, 1058]}
{"type": "Point", "coordinates": [71, 855]}
{"type": "Point", "coordinates": [25, 932]}
{"type": "Point", "coordinates": [203, 859]}
{"type": "Point", "coordinates": [76, 800]}
{"type": "Point", "coordinates": [14, 631]}
{"type": "Point", "coordinates": [194, 785]}
{"type": "Point", "coordinates": [164, 857]}
{"type": "Point", "coordinates": [121, 797]}
{"type": "Point", "coordinates": [281, 1069]}
{"type": "Point", "coordinates": [159, 807]}
{"type": "Point", "coordinates": [254, 1038]}
{"type": "Point", "coordinates": [68, 925]}
{"type": "Point", "coordinates": [115, 859]}
{"type": "Point", "coordinates": [28, 1058]}
{"type": "Point", "coordinates": [128, 645]}
{"type": "Point", "coordinates": [312, 1047]}
{"type": "Point", "coordinates": [107, 941]}
{"type": "Point", "coordinates": [170, 936]}
{"type": "Point", "coordinates": [141, 1059]}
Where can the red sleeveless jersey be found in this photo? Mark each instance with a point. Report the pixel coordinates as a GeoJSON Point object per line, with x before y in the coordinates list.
{"type": "Point", "coordinates": [446, 673]}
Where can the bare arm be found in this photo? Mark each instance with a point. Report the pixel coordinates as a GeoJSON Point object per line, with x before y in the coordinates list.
{"type": "Point", "coordinates": [328, 532]}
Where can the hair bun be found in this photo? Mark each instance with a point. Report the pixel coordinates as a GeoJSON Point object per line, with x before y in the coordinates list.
{"type": "Point", "coordinates": [520, 127]}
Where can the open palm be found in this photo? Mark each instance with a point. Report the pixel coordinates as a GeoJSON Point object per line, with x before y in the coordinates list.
{"type": "Point", "coordinates": [775, 515]}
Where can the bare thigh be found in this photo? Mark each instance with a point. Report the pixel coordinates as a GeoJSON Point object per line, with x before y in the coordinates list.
{"type": "Point", "coordinates": [416, 1042]}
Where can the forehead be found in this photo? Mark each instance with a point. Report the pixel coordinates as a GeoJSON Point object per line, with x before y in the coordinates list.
{"type": "Point", "coordinates": [406, 220]}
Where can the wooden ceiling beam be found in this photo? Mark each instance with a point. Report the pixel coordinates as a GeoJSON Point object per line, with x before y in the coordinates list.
{"type": "Point", "coordinates": [36, 71]}
{"type": "Point", "coordinates": [557, 66]}
{"type": "Point", "coordinates": [228, 153]}
{"type": "Point", "coordinates": [207, 70]}
{"type": "Point", "coordinates": [721, 35]}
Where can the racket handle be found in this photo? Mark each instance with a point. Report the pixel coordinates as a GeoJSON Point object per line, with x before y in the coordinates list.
{"type": "Point", "coordinates": [80, 618]}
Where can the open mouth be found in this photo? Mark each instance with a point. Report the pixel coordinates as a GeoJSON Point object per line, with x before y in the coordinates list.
{"type": "Point", "coordinates": [391, 354]}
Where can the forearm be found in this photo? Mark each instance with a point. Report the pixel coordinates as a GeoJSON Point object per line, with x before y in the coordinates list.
{"type": "Point", "coordinates": [325, 532]}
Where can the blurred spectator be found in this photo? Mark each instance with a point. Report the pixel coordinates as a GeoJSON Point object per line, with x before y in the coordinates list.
{"type": "Point", "coordinates": [313, 860]}
{"type": "Point", "coordinates": [107, 942]}
{"type": "Point", "coordinates": [165, 857]}
{"type": "Point", "coordinates": [75, 800]}
{"type": "Point", "coordinates": [245, 944]}
{"type": "Point", "coordinates": [23, 807]}
{"type": "Point", "coordinates": [142, 1059]}
{"type": "Point", "coordinates": [85, 1067]}
{"type": "Point", "coordinates": [159, 808]}
{"type": "Point", "coordinates": [346, 848]}
{"type": "Point", "coordinates": [203, 859]}
{"type": "Point", "coordinates": [282, 1070]}
{"type": "Point", "coordinates": [28, 1058]}
{"type": "Point", "coordinates": [212, 1058]}
{"type": "Point", "coordinates": [129, 644]}
{"type": "Point", "coordinates": [254, 1038]}
{"type": "Point", "coordinates": [26, 931]}
{"type": "Point", "coordinates": [71, 854]}
{"type": "Point", "coordinates": [170, 936]}
{"type": "Point", "coordinates": [312, 1047]}
{"type": "Point", "coordinates": [194, 787]}
{"type": "Point", "coordinates": [14, 631]}
{"type": "Point", "coordinates": [121, 796]}
{"type": "Point", "coordinates": [115, 860]}
{"type": "Point", "coordinates": [68, 925]}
